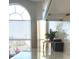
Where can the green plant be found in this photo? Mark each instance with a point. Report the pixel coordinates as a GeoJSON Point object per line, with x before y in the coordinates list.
{"type": "Point", "coordinates": [51, 35]}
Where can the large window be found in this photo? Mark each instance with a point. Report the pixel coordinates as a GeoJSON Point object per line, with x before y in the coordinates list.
{"type": "Point", "coordinates": [19, 22]}
{"type": "Point", "coordinates": [60, 26]}
{"type": "Point", "coordinates": [19, 28]}
{"type": "Point", "coordinates": [17, 12]}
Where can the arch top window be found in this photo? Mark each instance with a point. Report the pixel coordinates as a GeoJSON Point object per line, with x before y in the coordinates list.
{"type": "Point", "coordinates": [17, 12]}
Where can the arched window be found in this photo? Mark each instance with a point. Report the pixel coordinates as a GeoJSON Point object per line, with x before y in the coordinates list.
{"type": "Point", "coordinates": [19, 22]}
{"type": "Point", "coordinates": [17, 12]}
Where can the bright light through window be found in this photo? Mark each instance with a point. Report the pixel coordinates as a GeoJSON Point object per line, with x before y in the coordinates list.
{"type": "Point", "coordinates": [60, 26]}
{"type": "Point", "coordinates": [15, 17]}
{"type": "Point", "coordinates": [11, 9]}
{"type": "Point", "coordinates": [19, 28]}
{"type": "Point", "coordinates": [17, 12]}
{"type": "Point", "coordinates": [25, 15]}
{"type": "Point", "coordinates": [19, 9]}
{"type": "Point", "coordinates": [20, 23]}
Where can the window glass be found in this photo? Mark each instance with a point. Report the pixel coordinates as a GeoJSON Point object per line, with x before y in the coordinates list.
{"type": "Point", "coordinates": [17, 12]}
{"type": "Point", "coordinates": [20, 29]}
{"type": "Point", "coordinates": [15, 17]}
{"type": "Point", "coordinates": [60, 26]}
{"type": "Point", "coordinates": [11, 9]}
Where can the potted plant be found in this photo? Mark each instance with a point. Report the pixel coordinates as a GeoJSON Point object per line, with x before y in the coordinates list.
{"type": "Point", "coordinates": [51, 35]}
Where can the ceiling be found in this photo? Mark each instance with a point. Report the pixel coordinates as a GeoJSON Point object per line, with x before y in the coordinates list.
{"type": "Point", "coordinates": [53, 9]}
{"type": "Point", "coordinates": [58, 9]}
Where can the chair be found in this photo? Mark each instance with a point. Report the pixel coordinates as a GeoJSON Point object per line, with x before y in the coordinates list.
{"type": "Point", "coordinates": [58, 45]}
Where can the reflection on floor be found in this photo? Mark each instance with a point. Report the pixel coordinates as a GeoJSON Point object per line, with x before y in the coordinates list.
{"type": "Point", "coordinates": [22, 55]}
{"type": "Point", "coordinates": [34, 54]}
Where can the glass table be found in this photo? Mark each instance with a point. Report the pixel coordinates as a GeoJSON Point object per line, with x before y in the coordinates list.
{"type": "Point", "coordinates": [47, 47]}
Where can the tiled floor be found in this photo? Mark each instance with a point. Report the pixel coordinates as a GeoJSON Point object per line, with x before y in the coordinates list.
{"type": "Point", "coordinates": [34, 54]}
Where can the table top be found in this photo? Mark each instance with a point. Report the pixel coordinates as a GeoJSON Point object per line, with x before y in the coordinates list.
{"type": "Point", "coordinates": [22, 55]}
{"type": "Point", "coordinates": [47, 41]}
